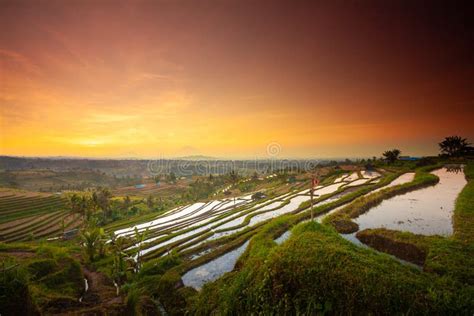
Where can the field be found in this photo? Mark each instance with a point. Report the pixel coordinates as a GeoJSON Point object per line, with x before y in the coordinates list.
{"type": "Point", "coordinates": [151, 188]}
{"type": "Point", "coordinates": [197, 257]}
{"type": "Point", "coordinates": [28, 216]}
{"type": "Point", "coordinates": [48, 180]}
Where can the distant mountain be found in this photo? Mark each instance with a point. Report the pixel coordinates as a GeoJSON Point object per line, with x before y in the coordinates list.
{"type": "Point", "coordinates": [196, 157]}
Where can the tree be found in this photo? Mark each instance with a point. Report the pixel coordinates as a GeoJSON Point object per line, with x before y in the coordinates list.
{"type": "Point", "coordinates": [234, 178]}
{"type": "Point", "coordinates": [79, 205]}
{"type": "Point", "coordinates": [392, 155]}
{"type": "Point", "coordinates": [454, 146]}
{"type": "Point", "coordinates": [94, 202]}
{"type": "Point", "coordinates": [172, 177]}
{"type": "Point", "coordinates": [94, 242]}
{"type": "Point", "coordinates": [90, 243]}
{"type": "Point", "coordinates": [103, 200]}
{"type": "Point", "coordinates": [127, 202]}
{"type": "Point", "coordinates": [140, 240]}
{"type": "Point", "coordinates": [122, 260]}
{"type": "Point", "coordinates": [150, 202]}
{"type": "Point", "coordinates": [75, 203]}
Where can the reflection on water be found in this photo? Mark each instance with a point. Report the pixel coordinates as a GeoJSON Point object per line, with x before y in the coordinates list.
{"type": "Point", "coordinates": [404, 178]}
{"type": "Point", "coordinates": [283, 237]}
{"type": "Point", "coordinates": [214, 269]}
{"type": "Point", "coordinates": [427, 211]}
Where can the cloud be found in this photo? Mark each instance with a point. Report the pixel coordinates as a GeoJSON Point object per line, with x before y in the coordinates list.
{"type": "Point", "coordinates": [101, 118]}
{"type": "Point", "coordinates": [9, 56]}
{"type": "Point", "coordinates": [150, 76]}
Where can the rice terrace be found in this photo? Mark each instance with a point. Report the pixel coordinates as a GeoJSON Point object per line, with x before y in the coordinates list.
{"type": "Point", "coordinates": [236, 158]}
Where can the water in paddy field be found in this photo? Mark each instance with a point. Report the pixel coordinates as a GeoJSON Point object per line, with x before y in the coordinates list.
{"type": "Point", "coordinates": [214, 269]}
{"type": "Point", "coordinates": [283, 237]}
{"type": "Point", "coordinates": [426, 211]}
{"type": "Point", "coordinates": [404, 178]}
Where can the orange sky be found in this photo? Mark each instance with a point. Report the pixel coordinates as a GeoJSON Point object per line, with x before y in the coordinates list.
{"type": "Point", "coordinates": [226, 78]}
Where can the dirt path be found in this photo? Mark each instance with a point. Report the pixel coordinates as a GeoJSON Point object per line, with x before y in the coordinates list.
{"type": "Point", "coordinates": [100, 298]}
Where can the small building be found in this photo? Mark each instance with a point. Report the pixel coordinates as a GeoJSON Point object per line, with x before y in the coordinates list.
{"type": "Point", "coordinates": [70, 234]}
{"type": "Point", "coordinates": [408, 158]}
{"type": "Point", "coordinates": [258, 196]}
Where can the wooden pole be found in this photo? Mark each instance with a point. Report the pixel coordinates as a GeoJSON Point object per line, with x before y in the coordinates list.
{"type": "Point", "coordinates": [314, 184]}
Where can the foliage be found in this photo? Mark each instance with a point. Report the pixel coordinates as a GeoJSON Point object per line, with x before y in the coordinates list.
{"type": "Point", "coordinates": [122, 262]}
{"type": "Point", "coordinates": [94, 243]}
{"type": "Point", "coordinates": [463, 219]}
{"type": "Point", "coordinates": [316, 271]}
{"type": "Point", "coordinates": [40, 284]}
{"type": "Point", "coordinates": [391, 155]}
{"type": "Point", "coordinates": [15, 298]}
{"type": "Point", "coordinates": [454, 146]}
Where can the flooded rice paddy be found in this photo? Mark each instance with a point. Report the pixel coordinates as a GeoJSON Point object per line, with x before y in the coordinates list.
{"type": "Point", "coordinates": [187, 228]}
{"type": "Point", "coordinates": [212, 270]}
{"type": "Point", "coordinates": [426, 211]}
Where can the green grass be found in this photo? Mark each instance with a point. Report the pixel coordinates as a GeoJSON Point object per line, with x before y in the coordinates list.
{"type": "Point", "coordinates": [29, 206]}
{"type": "Point", "coordinates": [463, 219]}
{"type": "Point", "coordinates": [317, 271]}
{"type": "Point", "coordinates": [47, 279]}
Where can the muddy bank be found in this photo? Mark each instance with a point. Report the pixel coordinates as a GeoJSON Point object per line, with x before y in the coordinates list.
{"type": "Point", "coordinates": [345, 226]}
{"type": "Point", "coordinates": [399, 249]}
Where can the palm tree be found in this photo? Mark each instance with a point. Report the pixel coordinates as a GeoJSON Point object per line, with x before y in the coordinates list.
{"type": "Point", "coordinates": [75, 203]}
{"type": "Point", "coordinates": [234, 178]}
{"type": "Point", "coordinates": [103, 200]}
{"type": "Point", "coordinates": [121, 259]}
{"type": "Point", "coordinates": [139, 239]}
{"type": "Point", "coordinates": [454, 146]}
{"type": "Point", "coordinates": [127, 202]}
{"type": "Point", "coordinates": [150, 202]}
{"type": "Point", "coordinates": [392, 155]}
{"type": "Point", "coordinates": [90, 240]}
{"type": "Point", "coordinates": [94, 242]}
{"type": "Point", "coordinates": [102, 242]}
{"type": "Point", "coordinates": [80, 205]}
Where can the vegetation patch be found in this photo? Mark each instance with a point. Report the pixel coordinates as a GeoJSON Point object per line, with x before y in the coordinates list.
{"type": "Point", "coordinates": [317, 271]}
{"type": "Point", "coordinates": [379, 239]}
{"type": "Point", "coordinates": [463, 218]}
{"type": "Point", "coordinates": [48, 281]}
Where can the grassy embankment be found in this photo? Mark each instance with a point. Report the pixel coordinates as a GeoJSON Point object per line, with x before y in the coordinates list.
{"type": "Point", "coordinates": [38, 279]}
{"type": "Point", "coordinates": [318, 271]}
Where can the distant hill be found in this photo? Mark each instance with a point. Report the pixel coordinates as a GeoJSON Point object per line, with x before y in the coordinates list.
{"type": "Point", "coordinates": [136, 168]}
{"type": "Point", "coordinates": [197, 157]}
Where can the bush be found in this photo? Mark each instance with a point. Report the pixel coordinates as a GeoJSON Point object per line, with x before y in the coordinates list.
{"type": "Point", "coordinates": [42, 267]}
{"type": "Point", "coordinates": [15, 297]}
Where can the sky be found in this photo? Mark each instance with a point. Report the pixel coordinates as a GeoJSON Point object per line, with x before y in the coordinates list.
{"type": "Point", "coordinates": [234, 79]}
